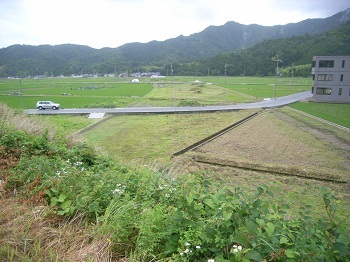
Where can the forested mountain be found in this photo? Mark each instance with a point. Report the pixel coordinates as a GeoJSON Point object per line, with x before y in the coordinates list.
{"type": "Point", "coordinates": [196, 54]}
{"type": "Point", "coordinates": [296, 51]}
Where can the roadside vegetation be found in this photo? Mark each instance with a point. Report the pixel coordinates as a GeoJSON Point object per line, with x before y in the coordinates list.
{"type": "Point", "coordinates": [62, 200]}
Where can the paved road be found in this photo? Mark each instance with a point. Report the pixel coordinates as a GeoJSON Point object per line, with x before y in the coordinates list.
{"type": "Point", "coordinates": [281, 101]}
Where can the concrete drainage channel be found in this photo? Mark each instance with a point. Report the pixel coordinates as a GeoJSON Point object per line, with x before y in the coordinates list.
{"type": "Point", "coordinates": [217, 134]}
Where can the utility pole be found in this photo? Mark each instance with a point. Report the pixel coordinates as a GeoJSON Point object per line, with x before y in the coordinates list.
{"type": "Point", "coordinates": [20, 84]}
{"type": "Point", "coordinates": [277, 72]}
{"type": "Point", "coordinates": [225, 71]}
{"type": "Point", "coordinates": [292, 73]}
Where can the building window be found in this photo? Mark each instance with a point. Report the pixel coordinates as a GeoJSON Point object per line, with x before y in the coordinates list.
{"type": "Point", "coordinates": [323, 91]}
{"type": "Point", "coordinates": [343, 64]}
{"type": "Point", "coordinates": [326, 63]}
{"type": "Point", "coordinates": [324, 77]}
{"type": "Point", "coordinates": [341, 78]}
{"type": "Point", "coordinates": [340, 91]}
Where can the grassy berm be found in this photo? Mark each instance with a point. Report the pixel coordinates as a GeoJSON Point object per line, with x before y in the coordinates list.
{"type": "Point", "coordinates": [63, 201]}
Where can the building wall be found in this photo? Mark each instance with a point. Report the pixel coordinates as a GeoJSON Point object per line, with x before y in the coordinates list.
{"type": "Point", "coordinates": [331, 75]}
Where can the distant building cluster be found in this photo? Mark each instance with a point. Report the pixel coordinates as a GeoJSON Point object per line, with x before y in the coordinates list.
{"type": "Point", "coordinates": [331, 76]}
{"type": "Point", "coordinates": [148, 74]}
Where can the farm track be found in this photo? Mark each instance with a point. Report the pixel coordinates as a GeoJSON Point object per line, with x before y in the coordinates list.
{"type": "Point", "coordinates": [271, 143]}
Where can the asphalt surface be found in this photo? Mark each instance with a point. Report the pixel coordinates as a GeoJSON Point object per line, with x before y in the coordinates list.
{"type": "Point", "coordinates": [270, 103]}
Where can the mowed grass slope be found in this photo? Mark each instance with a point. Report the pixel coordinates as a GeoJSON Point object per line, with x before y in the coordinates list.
{"type": "Point", "coordinates": [336, 113]}
{"type": "Point", "coordinates": [149, 137]}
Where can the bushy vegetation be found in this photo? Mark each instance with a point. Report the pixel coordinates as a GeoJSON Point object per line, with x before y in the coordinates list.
{"type": "Point", "coordinates": [151, 216]}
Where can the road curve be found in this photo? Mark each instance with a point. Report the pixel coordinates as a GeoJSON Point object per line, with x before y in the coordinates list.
{"type": "Point", "coordinates": [281, 101]}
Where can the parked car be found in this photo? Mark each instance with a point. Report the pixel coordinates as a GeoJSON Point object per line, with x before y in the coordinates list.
{"type": "Point", "coordinates": [41, 105]}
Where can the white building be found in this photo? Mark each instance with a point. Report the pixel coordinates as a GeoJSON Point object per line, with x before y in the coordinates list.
{"type": "Point", "coordinates": [331, 76]}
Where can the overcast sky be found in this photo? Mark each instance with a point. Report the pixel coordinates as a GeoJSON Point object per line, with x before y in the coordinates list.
{"type": "Point", "coordinates": [112, 23]}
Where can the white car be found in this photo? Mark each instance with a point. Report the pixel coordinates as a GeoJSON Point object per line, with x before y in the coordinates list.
{"type": "Point", "coordinates": [41, 105]}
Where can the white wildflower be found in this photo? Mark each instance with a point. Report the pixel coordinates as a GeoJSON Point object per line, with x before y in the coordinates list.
{"type": "Point", "coordinates": [211, 260]}
{"type": "Point", "coordinates": [236, 249]}
{"type": "Point", "coordinates": [198, 247]}
{"type": "Point", "coordinates": [78, 163]}
{"type": "Point", "coordinates": [187, 244]}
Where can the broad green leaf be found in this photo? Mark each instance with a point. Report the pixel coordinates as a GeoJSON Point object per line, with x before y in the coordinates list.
{"type": "Point", "coordinates": [241, 239]}
{"type": "Point", "coordinates": [343, 239]}
{"type": "Point", "coordinates": [54, 201]}
{"type": "Point", "coordinates": [283, 240]}
{"type": "Point", "coordinates": [189, 198]}
{"type": "Point", "coordinates": [66, 204]}
{"type": "Point", "coordinates": [209, 203]}
{"type": "Point", "coordinates": [270, 228]}
{"type": "Point", "coordinates": [291, 253]}
{"type": "Point", "coordinates": [253, 255]}
{"type": "Point", "coordinates": [261, 222]}
{"type": "Point", "coordinates": [61, 198]}
{"type": "Point", "coordinates": [251, 227]}
{"type": "Point", "coordinates": [226, 215]}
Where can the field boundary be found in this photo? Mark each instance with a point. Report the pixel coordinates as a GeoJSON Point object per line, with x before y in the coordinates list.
{"type": "Point", "coordinates": [252, 167]}
{"type": "Point", "coordinates": [319, 119]}
{"type": "Point", "coordinates": [215, 135]}
{"type": "Point", "coordinates": [92, 125]}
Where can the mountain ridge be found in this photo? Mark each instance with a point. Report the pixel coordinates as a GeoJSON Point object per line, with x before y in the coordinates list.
{"type": "Point", "coordinates": [214, 40]}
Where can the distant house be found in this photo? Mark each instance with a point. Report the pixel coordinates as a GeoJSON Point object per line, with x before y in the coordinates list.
{"type": "Point", "coordinates": [135, 80]}
{"type": "Point", "coordinates": [331, 76]}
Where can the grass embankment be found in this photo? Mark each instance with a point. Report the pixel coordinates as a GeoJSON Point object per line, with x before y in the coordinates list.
{"type": "Point", "coordinates": [336, 113]}
{"type": "Point", "coordinates": [156, 137]}
{"type": "Point", "coordinates": [108, 211]}
{"type": "Point", "coordinates": [276, 144]}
